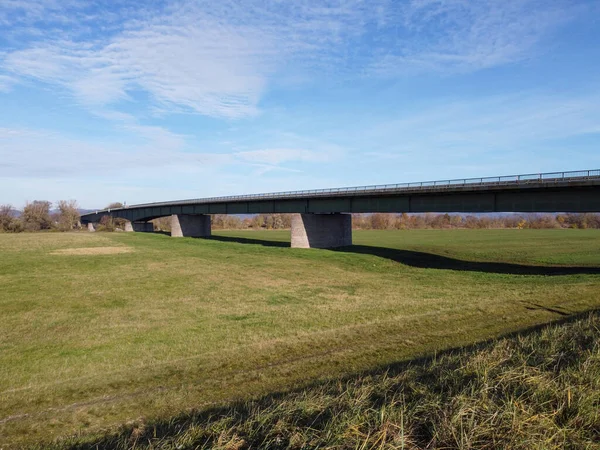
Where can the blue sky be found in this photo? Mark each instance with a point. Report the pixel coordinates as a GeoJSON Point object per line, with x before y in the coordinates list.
{"type": "Point", "coordinates": [117, 100]}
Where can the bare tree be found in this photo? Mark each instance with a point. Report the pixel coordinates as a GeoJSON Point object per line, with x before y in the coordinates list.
{"type": "Point", "coordinates": [68, 215]}
{"type": "Point", "coordinates": [8, 221]}
{"type": "Point", "coordinates": [36, 215]}
{"type": "Point", "coordinates": [114, 222]}
{"type": "Point", "coordinates": [162, 224]}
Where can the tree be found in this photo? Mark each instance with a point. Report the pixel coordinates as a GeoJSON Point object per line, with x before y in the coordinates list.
{"type": "Point", "coordinates": [381, 221]}
{"type": "Point", "coordinates": [258, 221]}
{"type": "Point", "coordinates": [36, 215]}
{"type": "Point", "coordinates": [8, 221]}
{"type": "Point", "coordinates": [162, 224]}
{"type": "Point", "coordinates": [6, 216]}
{"type": "Point", "coordinates": [116, 222]}
{"type": "Point", "coordinates": [68, 215]}
{"type": "Point", "coordinates": [107, 223]}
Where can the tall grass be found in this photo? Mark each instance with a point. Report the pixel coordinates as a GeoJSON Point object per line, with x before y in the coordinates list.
{"type": "Point", "coordinates": [539, 389]}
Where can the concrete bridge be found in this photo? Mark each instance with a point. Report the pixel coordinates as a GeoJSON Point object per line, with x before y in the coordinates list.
{"type": "Point", "coordinates": [322, 217]}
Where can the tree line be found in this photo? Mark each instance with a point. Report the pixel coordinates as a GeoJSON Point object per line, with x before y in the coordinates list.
{"type": "Point", "coordinates": [39, 215]}
{"type": "Point", "coordinates": [405, 221]}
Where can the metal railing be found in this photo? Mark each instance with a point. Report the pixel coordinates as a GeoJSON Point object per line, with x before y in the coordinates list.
{"type": "Point", "coordinates": [507, 180]}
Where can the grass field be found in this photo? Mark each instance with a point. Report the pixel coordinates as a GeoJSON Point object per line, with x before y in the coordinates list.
{"type": "Point", "coordinates": [537, 389]}
{"type": "Point", "coordinates": [100, 329]}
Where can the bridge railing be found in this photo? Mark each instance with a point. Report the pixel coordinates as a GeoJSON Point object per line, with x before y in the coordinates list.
{"type": "Point", "coordinates": [507, 180]}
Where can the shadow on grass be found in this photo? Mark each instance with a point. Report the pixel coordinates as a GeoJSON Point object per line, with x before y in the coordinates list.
{"type": "Point", "coordinates": [241, 240]}
{"type": "Point", "coordinates": [237, 412]}
{"type": "Point", "coordinates": [423, 260]}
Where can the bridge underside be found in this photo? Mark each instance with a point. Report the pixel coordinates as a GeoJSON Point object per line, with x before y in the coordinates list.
{"type": "Point", "coordinates": [141, 227]}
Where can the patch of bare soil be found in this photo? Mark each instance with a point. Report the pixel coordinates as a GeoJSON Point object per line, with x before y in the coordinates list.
{"type": "Point", "coordinates": [85, 251]}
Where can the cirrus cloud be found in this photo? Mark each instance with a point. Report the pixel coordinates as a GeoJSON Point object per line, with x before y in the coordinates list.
{"type": "Point", "coordinates": [218, 59]}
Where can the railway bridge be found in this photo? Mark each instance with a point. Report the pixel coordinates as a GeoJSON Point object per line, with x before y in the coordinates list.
{"type": "Point", "coordinates": [322, 217]}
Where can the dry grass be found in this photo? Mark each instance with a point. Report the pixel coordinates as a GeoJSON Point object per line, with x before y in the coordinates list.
{"type": "Point", "coordinates": [88, 343]}
{"type": "Point", "coordinates": [85, 251]}
{"type": "Point", "coordinates": [539, 389]}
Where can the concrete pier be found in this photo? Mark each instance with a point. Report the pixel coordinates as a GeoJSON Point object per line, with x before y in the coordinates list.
{"type": "Point", "coordinates": [90, 226]}
{"type": "Point", "coordinates": [128, 226]}
{"type": "Point", "coordinates": [321, 230]}
{"type": "Point", "coordinates": [188, 225]}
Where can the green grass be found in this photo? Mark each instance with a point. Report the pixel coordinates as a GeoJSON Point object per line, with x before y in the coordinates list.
{"type": "Point", "coordinates": [90, 341]}
{"type": "Point", "coordinates": [539, 389]}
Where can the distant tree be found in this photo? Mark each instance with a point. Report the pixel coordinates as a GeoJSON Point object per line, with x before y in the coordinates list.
{"type": "Point", "coordinates": [456, 221]}
{"type": "Point", "coordinates": [381, 221]}
{"type": "Point", "coordinates": [107, 223]}
{"type": "Point", "coordinates": [402, 221]}
{"type": "Point", "coordinates": [36, 215]}
{"type": "Point", "coordinates": [358, 221]}
{"type": "Point", "coordinates": [8, 222]}
{"type": "Point", "coordinates": [539, 221]}
{"type": "Point", "coordinates": [233, 222]}
{"type": "Point", "coordinates": [6, 216]}
{"type": "Point", "coordinates": [258, 221]}
{"type": "Point", "coordinates": [114, 222]}
{"type": "Point", "coordinates": [68, 215]}
{"type": "Point", "coordinates": [162, 224]}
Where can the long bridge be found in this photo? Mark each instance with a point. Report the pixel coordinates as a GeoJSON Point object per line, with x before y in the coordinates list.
{"type": "Point", "coordinates": [322, 217]}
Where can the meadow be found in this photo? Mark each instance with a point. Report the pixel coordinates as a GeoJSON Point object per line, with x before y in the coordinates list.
{"type": "Point", "coordinates": [102, 329]}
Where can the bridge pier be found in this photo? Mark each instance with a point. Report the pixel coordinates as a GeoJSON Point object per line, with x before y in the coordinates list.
{"type": "Point", "coordinates": [142, 227]}
{"type": "Point", "coordinates": [321, 230]}
{"type": "Point", "coordinates": [188, 225]}
{"type": "Point", "coordinates": [90, 227]}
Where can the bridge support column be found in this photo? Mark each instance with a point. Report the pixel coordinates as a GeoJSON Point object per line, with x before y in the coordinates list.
{"type": "Point", "coordinates": [90, 227]}
{"type": "Point", "coordinates": [188, 225]}
{"type": "Point", "coordinates": [128, 226]}
{"type": "Point", "coordinates": [321, 230]}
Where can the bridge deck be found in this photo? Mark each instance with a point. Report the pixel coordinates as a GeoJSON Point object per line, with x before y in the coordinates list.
{"type": "Point", "coordinates": [469, 184]}
{"type": "Point", "coordinates": [557, 191]}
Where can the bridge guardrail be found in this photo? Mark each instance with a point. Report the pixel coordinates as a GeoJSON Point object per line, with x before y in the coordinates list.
{"type": "Point", "coordinates": [545, 178]}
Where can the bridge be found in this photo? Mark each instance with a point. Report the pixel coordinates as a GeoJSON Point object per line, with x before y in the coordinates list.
{"type": "Point", "coordinates": [322, 217]}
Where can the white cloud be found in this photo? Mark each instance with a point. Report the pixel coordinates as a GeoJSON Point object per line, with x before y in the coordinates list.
{"type": "Point", "coordinates": [6, 83]}
{"type": "Point", "coordinates": [45, 164]}
{"type": "Point", "coordinates": [218, 58]}
{"type": "Point", "coordinates": [47, 154]}
{"type": "Point", "coordinates": [148, 149]}
{"type": "Point", "coordinates": [458, 35]}
{"type": "Point", "coordinates": [159, 137]}
{"type": "Point", "coordinates": [522, 130]}
{"type": "Point", "coordinates": [276, 156]}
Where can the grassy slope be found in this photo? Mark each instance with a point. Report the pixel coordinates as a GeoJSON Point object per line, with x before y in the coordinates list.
{"type": "Point", "coordinates": [539, 389]}
{"type": "Point", "coordinates": [93, 340]}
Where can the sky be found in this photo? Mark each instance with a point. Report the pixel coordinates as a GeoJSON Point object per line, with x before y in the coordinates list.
{"type": "Point", "coordinates": [129, 101]}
